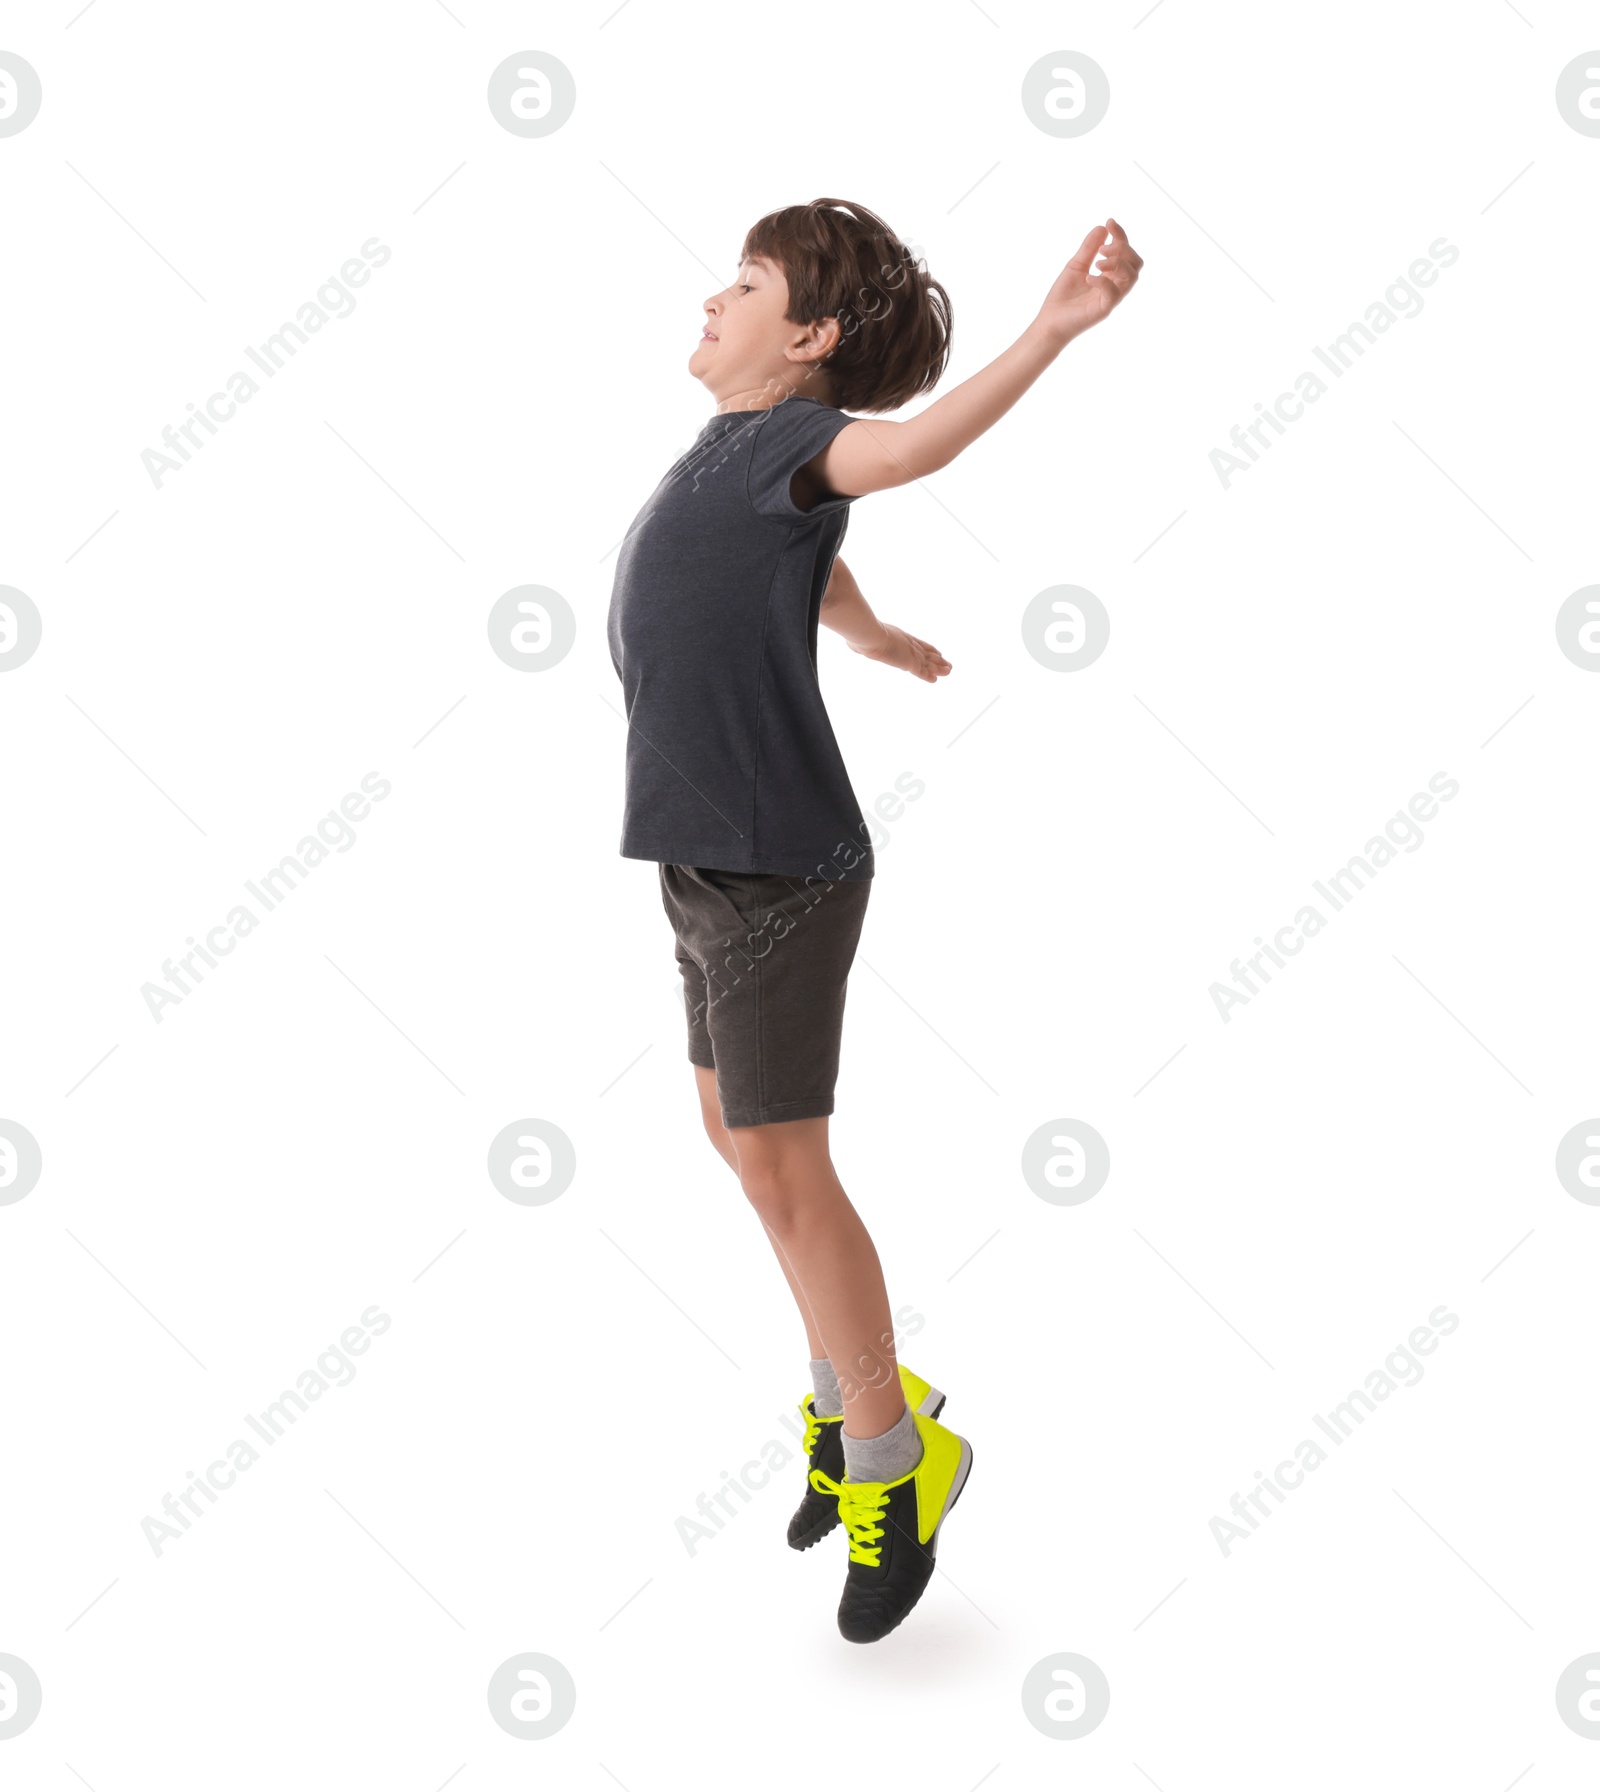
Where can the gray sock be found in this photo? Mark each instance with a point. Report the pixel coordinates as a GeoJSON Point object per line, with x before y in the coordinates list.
{"type": "Point", "coordinates": [884, 1458]}
{"type": "Point", "coordinates": [827, 1401]}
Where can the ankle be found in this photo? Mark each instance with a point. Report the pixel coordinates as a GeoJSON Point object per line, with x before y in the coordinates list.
{"type": "Point", "coordinates": [827, 1402]}
{"type": "Point", "coordinates": [886, 1457]}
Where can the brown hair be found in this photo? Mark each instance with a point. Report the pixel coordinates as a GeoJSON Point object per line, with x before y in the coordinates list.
{"type": "Point", "coordinates": [842, 261]}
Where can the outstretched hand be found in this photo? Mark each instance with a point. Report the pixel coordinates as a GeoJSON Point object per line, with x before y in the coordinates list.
{"type": "Point", "coordinates": [909, 653]}
{"type": "Point", "coordinates": [1079, 299]}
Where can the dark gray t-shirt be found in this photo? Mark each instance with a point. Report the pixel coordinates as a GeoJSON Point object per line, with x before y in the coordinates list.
{"type": "Point", "coordinates": [731, 759]}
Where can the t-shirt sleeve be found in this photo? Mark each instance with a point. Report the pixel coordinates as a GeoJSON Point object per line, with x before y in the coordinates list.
{"type": "Point", "coordinates": [790, 435]}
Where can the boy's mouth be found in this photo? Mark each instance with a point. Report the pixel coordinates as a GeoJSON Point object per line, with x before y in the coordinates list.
{"type": "Point", "coordinates": [707, 336]}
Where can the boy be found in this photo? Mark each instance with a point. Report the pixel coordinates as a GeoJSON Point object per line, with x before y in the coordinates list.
{"type": "Point", "coordinates": [736, 788]}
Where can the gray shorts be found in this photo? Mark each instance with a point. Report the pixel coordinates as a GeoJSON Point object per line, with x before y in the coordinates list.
{"type": "Point", "coordinates": [765, 958]}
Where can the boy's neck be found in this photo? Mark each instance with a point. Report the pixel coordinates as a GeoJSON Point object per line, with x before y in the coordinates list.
{"type": "Point", "coordinates": [806, 384]}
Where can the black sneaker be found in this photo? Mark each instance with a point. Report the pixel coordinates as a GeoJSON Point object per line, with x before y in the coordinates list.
{"type": "Point", "coordinates": [894, 1531]}
{"type": "Point", "coordinates": [818, 1513]}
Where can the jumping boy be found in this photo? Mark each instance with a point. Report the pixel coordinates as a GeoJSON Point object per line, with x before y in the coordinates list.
{"type": "Point", "coordinates": [737, 791]}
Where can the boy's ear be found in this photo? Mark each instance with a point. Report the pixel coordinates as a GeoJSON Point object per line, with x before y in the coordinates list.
{"type": "Point", "coordinates": [825, 333]}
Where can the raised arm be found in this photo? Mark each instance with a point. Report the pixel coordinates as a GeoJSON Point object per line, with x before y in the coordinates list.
{"type": "Point", "coordinates": [872, 455]}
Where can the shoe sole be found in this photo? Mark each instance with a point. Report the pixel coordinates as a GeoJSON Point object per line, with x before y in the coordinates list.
{"type": "Point", "coordinates": [818, 1532]}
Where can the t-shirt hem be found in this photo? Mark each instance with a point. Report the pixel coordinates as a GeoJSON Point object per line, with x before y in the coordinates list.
{"type": "Point", "coordinates": [719, 858]}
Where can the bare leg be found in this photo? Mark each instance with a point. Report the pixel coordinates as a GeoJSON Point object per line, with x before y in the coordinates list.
{"type": "Point", "coordinates": [788, 1177]}
{"type": "Point", "coordinates": [711, 1115]}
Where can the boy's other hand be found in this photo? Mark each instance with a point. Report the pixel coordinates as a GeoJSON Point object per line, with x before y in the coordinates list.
{"type": "Point", "coordinates": [1079, 299]}
{"type": "Point", "coordinates": [907, 652]}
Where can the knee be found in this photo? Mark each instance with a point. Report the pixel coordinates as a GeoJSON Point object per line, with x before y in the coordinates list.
{"type": "Point", "coordinates": [711, 1119]}
{"type": "Point", "coordinates": [778, 1210]}
{"type": "Point", "coordinates": [773, 1190]}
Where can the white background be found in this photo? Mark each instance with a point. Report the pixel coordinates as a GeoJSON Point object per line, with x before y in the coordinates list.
{"type": "Point", "coordinates": [305, 1134]}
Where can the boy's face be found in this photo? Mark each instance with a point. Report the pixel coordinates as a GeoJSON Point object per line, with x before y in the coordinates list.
{"type": "Point", "coordinates": [747, 343]}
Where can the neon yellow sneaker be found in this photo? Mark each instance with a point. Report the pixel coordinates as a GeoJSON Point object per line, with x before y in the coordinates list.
{"type": "Point", "coordinates": [894, 1531]}
{"type": "Point", "coordinates": [818, 1513]}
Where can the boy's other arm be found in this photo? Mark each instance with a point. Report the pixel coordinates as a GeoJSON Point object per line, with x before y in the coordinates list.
{"type": "Point", "coordinates": [846, 611]}
{"type": "Point", "coordinates": [872, 455]}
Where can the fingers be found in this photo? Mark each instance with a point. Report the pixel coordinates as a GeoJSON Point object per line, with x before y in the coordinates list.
{"type": "Point", "coordinates": [922, 659]}
{"type": "Point", "coordinates": [1121, 253]}
{"type": "Point", "coordinates": [1119, 267]}
{"type": "Point", "coordinates": [1119, 277]}
{"type": "Point", "coordinates": [1087, 249]}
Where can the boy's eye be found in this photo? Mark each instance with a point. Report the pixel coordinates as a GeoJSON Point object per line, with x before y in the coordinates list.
{"type": "Point", "coordinates": [746, 288]}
